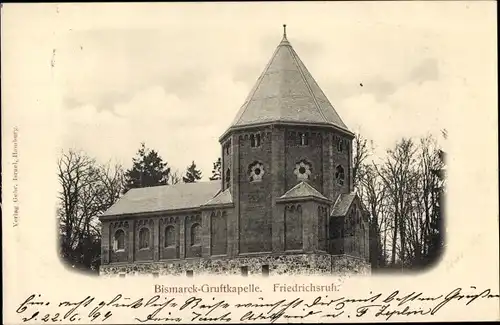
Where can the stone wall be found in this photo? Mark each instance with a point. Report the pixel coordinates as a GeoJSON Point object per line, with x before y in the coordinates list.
{"type": "Point", "coordinates": [312, 264]}
{"type": "Point", "coordinates": [342, 264]}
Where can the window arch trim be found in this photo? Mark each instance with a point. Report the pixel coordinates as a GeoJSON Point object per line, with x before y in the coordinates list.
{"type": "Point", "coordinates": [169, 239]}
{"type": "Point", "coordinates": [195, 239]}
{"type": "Point", "coordinates": [340, 175]}
{"type": "Point", "coordinates": [144, 238]}
{"type": "Point", "coordinates": [119, 242]}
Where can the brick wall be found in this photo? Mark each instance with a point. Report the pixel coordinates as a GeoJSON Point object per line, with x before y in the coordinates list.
{"type": "Point", "coordinates": [336, 234]}
{"type": "Point", "coordinates": [169, 226]}
{"type": "Point", "coordinates": [226, 168]}
{"type": "Point", "coordinates": [312, 152]}
{"type": "Point", "coordinates": [356, 240]}
{"type": "Point", "coordinates": [255, 199]}
{"type": "Point", "coordinates": [278, 163]}
{"type": "Point", "coordinates": [344, 159]}
{"type": "Point", "coordinates": [322, 227]}
{"type": "Point", "coordinates": [218, 230]}
{"type": "Point", "coordinates": [192, 249]}
{"type": "Point", "coordinates": [293, 227]}
{"type": "Point", "coordinates": [106, 243]}
{"type": "Point", "coordinates": [145, 253]}
{"type": "Point", "coordinates": [120, 255]}
{"type": "Point", "coordinates": [257, 223]}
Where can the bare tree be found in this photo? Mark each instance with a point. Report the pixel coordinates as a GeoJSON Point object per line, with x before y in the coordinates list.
{"type": "Point", "coordinates": [374, 194]}
{"type": "Point", "coordinates": [174, 178]}
{"type": "Point", "coordinates": [431, 166]}
{"type": "Point", "coordinates": [398, 176]}
{"type": "Point", "coordinates": [370, 188]}
{"type": "Point", "coordinates": [404, 196]}
{"type": "Point", "coordinates": [360, 153]}
{"type": "Point", "coordinates": [87, 190]}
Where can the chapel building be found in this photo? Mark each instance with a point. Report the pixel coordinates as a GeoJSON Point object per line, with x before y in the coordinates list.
{"type": "Point", "coordinates": [285, 203]}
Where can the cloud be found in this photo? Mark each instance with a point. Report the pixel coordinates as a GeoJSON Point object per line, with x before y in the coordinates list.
{"type": "Point", "coordinates": [178, 88]}
{"type": "Point", "coordinates": [181, 130]}
{"type": "Point", "coordinates": [413, 110]}
{"type": "Point", "coordinates": [428, 69]}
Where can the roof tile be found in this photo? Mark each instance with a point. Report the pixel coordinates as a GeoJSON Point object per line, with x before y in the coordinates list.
{"type": "Point", "coordinates": [221, 198]}
{"type": "Point", "coordinates": [166, 197]}
{"type": "Point", "coordinates": [342, 204]}
{"type": "Point", "coordinates": [286, 92]}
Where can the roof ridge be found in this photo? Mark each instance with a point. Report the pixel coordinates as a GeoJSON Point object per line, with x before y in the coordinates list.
{"type": "Point", "coordinates": [295, 186]}
{"type": "Point", "coordinates": [312, 187]}
{"type": "Point", "coordinates": [313, 192]}
{"type": "Point", "coordinates": [171, 185]}
{"type": "Point", "coordinates": [256, 86]}
{"type": "Point", "coordinates": [322, 92]}
{"type": "Point", "coordinates": [294, 56]}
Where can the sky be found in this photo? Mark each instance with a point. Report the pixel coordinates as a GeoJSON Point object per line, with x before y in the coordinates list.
{"type": "Point", "coordinates": [174, 75]}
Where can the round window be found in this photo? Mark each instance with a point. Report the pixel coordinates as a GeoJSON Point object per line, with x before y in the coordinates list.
{"type": "Point", "coordinates": [256, 170]}
{"type": "Point", "coordinates": [302, 170]}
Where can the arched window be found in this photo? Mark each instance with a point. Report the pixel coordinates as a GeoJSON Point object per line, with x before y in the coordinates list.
{"type": "Point", "coordinates": [195, 234]}
{"type": "Point", "coordinates": [302, 139]}
{"type": "Point", "coordinates": [169, 236]}
{"type": "Point", "coordinates": [119, 240]}
{"type": "Point", "coordinates": [339, 175]}
{"type": "Point", "coordinates": [228, 177]}
{"type": "Point", "coordinates": [340, 145]}
{"type": "Point", "coordinates": [143, 238]}
{"type": "Point", "coordinates": [257, 140]}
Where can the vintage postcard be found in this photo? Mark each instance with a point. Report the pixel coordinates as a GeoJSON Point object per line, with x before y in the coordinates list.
{"type": "Point", "coordinates": [254, 162]}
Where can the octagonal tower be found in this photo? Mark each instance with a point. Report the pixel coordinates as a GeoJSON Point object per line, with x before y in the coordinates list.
{"type": "Point", "coordinates": [286, 136]}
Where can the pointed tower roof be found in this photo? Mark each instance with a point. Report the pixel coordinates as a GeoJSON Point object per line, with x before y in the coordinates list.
{"type": "Point", "coordinates": [287, 93]}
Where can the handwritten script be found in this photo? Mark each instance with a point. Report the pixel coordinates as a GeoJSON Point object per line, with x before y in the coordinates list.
{"type": "Point", "coordinates": [164, 309]}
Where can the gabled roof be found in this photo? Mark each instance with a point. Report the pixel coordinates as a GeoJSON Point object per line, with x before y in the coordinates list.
{"type": "Point", "coordinates": [167, 197]}
{"type": "Point", "coordinates": [286, 92]}
{"type": "Point", "coordinates": [221, 198]}
{"type": "Point", "coordinates": [342, 204]}
{"type": "Point", "coordinates": [302, 190]}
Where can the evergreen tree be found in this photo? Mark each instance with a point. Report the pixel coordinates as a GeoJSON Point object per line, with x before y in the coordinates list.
{"type": "Point", "coordinates": [192, 174]}
{"type": "Point", "coordinates": [216, 172]}
{"type": "Point", "coordinates": [148, 170]}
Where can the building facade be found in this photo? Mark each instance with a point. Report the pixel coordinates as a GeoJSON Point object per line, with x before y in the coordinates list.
{"type": "Point", "coordinates": [285, 203]}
